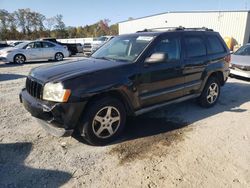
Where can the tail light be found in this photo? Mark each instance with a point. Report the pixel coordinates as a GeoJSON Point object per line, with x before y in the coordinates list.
{"type": "Point", "coordinates": [228, 58]}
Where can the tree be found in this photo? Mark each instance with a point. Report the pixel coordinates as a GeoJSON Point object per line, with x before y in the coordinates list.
{"type": "Point", "coordinates": [50, 23]}
{"type": "Point", "coordinates": [60, 28]}
{"type": "Point", "coordinates": [4, 15]}
{"type": "Point", "coordinates": [28, 24]}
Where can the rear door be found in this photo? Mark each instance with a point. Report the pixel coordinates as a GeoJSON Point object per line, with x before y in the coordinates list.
{"type": "Point", "coordinates": [48, 50]}
{"type": "Point", "coordinates": [195, 61]}
{"type": "Point", "coordinates": [162, 81]}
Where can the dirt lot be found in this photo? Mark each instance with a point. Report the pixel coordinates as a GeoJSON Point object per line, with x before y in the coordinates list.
{"type": "Point", "coordinates": [179, 146]}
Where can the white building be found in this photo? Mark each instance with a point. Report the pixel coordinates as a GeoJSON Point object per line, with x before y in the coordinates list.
{"type": "Point", "coordinates": [234, 24]}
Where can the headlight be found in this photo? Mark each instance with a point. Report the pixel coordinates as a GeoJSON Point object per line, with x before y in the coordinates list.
{"type": "Point", "coordinates": [55, 92]}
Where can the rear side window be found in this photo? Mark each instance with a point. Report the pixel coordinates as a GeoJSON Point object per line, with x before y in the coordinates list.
{"type": "Point", "coordinates": [195, 46]}
{"type": "Point", "coordinates": [48, 45]}
{"type": "Point", "coordinates": [214, 45]}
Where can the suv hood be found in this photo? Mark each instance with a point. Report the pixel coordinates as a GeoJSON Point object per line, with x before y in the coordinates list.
{"type": "Point", "coordinates": [65, 70]}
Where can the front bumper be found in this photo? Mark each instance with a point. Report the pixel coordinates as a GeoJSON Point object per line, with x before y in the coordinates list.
{"type": "Point", "coordinates": [59, 119]}
{"type": "Point", "coordinates": [5, 57]}
{"type": "Point", "coordinates": [242, 73]}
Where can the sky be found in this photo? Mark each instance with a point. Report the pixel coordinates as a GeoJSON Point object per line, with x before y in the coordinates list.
{"type": "Point", "coordinates": [85, 12]}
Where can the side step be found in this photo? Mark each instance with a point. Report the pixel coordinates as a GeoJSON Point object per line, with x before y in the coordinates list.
{"type": "Point", "coordinates": [150, 108]}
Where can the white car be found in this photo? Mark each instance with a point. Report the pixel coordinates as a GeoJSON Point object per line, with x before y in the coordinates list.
{"type": "Point", "coordinates": [35, 50]}
{"type": "Point", "coordinates": [240, 62]}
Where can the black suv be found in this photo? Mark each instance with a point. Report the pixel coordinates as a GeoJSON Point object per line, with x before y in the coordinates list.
{"type": "Point", "coordinates": [130, 75]}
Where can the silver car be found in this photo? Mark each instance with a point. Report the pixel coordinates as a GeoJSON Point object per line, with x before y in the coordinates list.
{"type": "Point", "coordinates": [240, 62]}
{"type": "Point", "coordinates": [35, 50]}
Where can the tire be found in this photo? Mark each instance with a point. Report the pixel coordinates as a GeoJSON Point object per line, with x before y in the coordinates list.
{"type": "Point", "coordinates": [103, 121]}
{"type": "Point", "coordinates": [19, 59]}
{"type": "Point", "coordinates": [70, 53]}
{"type": "Point", "coordinates": [210, 94]}
{"type": "Point", "coordinates": [59, 56]}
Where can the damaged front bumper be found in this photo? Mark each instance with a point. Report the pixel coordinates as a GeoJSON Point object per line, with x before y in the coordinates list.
{"type": "Point", "coordinates": [59, 119]}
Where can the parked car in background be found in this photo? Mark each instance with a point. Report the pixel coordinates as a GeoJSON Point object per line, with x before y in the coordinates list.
{"type": "Point", "coordinates": [240, 64]}
{"type": "Point", "coordinates": [72, 47]}
{"type": "Point", "coordinates": [79, 47]}
{"type": "Point", "coordinates": [3, 45]}
{"type": "Point", "coordinates": [130, 75]}
{"type": "Point", "coordinates": [13, 44]}
{"type": "Point", "coordinates": [91, 47]}
{"type": "Point", "coordinates": [35, 50]}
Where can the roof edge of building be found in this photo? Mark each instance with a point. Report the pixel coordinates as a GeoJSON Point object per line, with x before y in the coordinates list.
{"type": "Point", "coordinates": [193, 11]}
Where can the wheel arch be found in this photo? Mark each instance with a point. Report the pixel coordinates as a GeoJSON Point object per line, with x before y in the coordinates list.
{"type": "Point", "coordinates": [59, 52]}
{"type": "Point", "coordinates": [19, 54]}
{"type": "Point", "coordinates": [217, 74]}
{"type": "Point", "coordinates": [113, 94]}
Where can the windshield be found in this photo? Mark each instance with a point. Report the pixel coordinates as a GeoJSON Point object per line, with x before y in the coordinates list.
{"type": "Point", "coordinates": [244, 50]}
{"type": "Point", "coordinates": [21, 45]}
{"type": "Point", "coordinates": [123, 48]}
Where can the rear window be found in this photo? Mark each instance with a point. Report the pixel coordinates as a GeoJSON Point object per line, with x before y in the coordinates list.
{"type": "Point", "coordinates": [214, 45]}
{"type": "Point", "coordinates": [195, 46]}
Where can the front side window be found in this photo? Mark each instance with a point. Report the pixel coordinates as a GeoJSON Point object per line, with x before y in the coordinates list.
{"type": "Point", "coordinates": [123, 48]}
{"type": "Point", "coordinates": [34, 45]}
{"type": "Point", "coordinates": [170, 46]}
{"type": "Point", "coordinates": [195, 46]}
{"type": "Point", "coordinates": [30, 45]}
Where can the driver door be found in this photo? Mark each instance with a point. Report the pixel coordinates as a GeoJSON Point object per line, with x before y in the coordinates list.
{"type": "Point", "coordinates": [34, 51]}
{"type": "Point", "coordinates": [162, 81]}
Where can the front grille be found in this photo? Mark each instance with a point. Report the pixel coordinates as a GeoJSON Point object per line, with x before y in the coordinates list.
{"type": "Point", "coordinates": [34, 88]}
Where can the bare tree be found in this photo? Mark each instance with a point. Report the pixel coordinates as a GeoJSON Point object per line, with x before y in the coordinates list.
{"type": "Point", "coordinates": [4, 23]}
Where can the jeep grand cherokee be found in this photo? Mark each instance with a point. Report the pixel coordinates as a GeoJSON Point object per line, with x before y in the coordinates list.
{"type": "Point", "coordinates": [130, 75]}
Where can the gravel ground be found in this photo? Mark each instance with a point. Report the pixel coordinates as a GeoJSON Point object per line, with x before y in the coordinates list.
{"type": "Point", "coordinates": [182, 145]}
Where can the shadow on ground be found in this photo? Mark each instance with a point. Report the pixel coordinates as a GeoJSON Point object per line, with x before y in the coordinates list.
{"type": "Point", "coordinates": [178, 116]}
{"type": "Point", "coordinates": [6, 77]}
{"type": "Point", "coordinates": [14, 173]}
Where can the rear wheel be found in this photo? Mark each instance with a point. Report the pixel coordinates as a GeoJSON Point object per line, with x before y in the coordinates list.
{"type": "Point", "coordinates": [103, 121]}
{"type": "Point", "coordinates": [19, 59]}
{"type": "Point", "coordinates": [58, 56]}
{"type": "Point", "coordinates": [210, 94]}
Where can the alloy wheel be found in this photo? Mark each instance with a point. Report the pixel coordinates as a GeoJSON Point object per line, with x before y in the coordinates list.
{"type": "Point", "coordinates": [19, 59]}
{"type": "Point", "coordinates": [59, 57]}
{"type": "Point", "coordinates": [213, 92]}
{"type": "Point", "coordinates": [106, 122]}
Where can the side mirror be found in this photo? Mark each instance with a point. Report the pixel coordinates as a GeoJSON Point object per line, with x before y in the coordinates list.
{"type": "Point", "coordinates": [157, 58]}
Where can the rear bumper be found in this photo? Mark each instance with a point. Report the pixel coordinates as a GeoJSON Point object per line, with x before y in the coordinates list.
{"type": "Point", "coordinates": [241, 73]}
{"type": "Point", "coordinates": [59, 119]}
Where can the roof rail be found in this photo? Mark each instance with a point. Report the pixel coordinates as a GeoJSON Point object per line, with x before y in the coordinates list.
{"type": "Point", "coordinates": [176, 29]}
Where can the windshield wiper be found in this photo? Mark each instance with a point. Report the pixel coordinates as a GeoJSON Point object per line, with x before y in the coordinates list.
{"type": "Point", "coordinates": [111, 59]}
{"type": "Point", "coordinates": [105, 58]}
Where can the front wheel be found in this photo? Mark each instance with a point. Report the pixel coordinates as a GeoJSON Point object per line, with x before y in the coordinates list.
{"type": "Point", "coordinates": [58, 56]}
{"type": "Point", "coordinates": [210, 94]}
{"type": "Point", "coordinates": [19, 59]}
{"type": "Point", "coordinates": [103, 121]}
